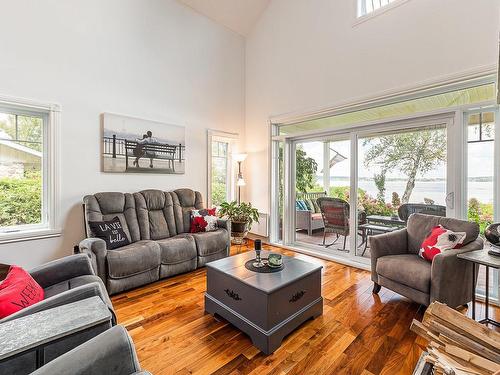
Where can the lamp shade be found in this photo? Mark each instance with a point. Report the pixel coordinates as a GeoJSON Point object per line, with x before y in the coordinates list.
{"type": "Point", "coordinates": [239, 157]}
{"type": "Point", "coordinates": [240, 182]}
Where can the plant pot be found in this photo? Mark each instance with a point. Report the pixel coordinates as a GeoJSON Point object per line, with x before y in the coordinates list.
{"type": "Point", "coordinates": [239, 230]}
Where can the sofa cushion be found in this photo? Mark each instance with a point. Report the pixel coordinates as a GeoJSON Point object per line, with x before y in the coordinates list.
{"type": "Point", "coordinates": [177, 249]}
{"type": "Point", "coordinates": [111, 232]}
{"type": "Point", "coordinates": [155, 213]}
{"type": "Point", "coordinates": [204, 220]}
{"type": "Point", "coordinates": [420, 226]}
{"type": "Point", "coordinates": [439, 240]}
{"type": "Point", "coordinates": [107, 205]}
{"type": "Point", "coordinates": [185, 200]}
{"type": "Point", "coordinates": [133, 259]}
{"type": "Point", "coordinates": [406, 269]}
{"type": "Point", "coordinates": [211, 242]}
{"type": "Point", "coordinates": [18, 291]}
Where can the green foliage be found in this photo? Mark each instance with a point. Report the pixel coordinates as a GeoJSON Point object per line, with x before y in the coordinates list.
{"type": "Point", "coordinates": [411, 154]}
{"type": "Point", "coordinates": [21, 200]}
{"type": "Point", "coordinates": [218, 193]}
{"type": "Point", "coordinates": [243, 212]}
{"type": "Point", "coordinates": [340, 192]}
{"type": "Point", "coordinates": [379, 180]}
{"type": "Point", "coordinates": [29, 130]}
{"type": "Point", "coordinates": [366, 202]}
{"type": "Point", "coordinates": [481, 213]}
{"type": "Point", "coordinates": [374, 206]}
{"type": "Point", "coordinates": [306, 168]}
{"type": "Point", "coordinates": [305, 178]}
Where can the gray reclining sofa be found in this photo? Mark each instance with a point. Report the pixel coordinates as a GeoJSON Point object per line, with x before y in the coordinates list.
{"type": "Point", "coordinates": [157, 224]}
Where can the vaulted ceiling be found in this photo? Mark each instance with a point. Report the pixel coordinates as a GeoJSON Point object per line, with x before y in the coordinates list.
{"type": "Point", "coordinates": [237, 15]}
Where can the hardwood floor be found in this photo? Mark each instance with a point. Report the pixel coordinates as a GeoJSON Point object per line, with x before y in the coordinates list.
{"type": "Point", "coordinates": [358, 333]}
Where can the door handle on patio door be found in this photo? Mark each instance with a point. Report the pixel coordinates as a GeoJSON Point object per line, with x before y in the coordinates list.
{"type": "Point", "coordinates": [450, 200]}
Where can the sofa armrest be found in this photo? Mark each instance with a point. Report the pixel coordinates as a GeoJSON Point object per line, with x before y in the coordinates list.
{"type": "Point", "coordinates": [226, 224]}
{"type": "Point", "coordinates": [392, 243]}
{"type": "Point", "coordinates": [111, 353]}
{"type": "Point", "coordinates": [62, 269]}
{"type": "Point", "coordinates": [68, 296]}
{"type": "Point", "coordinates": [451, 277]}
{"type": "Point", "coordinates": [95, 248]}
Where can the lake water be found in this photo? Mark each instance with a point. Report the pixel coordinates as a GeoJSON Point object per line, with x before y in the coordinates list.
{"type": "Point", "coordinates": [435, 190]}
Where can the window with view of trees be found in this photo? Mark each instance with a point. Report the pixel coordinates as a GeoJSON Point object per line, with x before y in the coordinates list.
{"type": "Point", "coordinates": [481, 167]}
{"type": "Point", "coordinates": [220, 172]}
{"type": "Point", "coordinates": [21, 170]}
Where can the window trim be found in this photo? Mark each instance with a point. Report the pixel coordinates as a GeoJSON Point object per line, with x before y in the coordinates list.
{"type": "Point", "coordinates": [50, 226]}
{"type": "Point", "coordinates": [232, 138]}
{"type": "Point", "coordinates": [367, 16]}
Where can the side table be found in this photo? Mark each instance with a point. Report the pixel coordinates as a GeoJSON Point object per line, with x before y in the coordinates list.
{"type": "Point", "coordinates": [46, 329]}
{"type": "Point", "coordinates": [481, 257]}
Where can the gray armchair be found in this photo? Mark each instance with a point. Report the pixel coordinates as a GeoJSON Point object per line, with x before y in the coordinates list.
{"type": "Point", "coordinates": [395, 263]}
{"type": "Point", "coordinates": [65, 280]}
{"type": "Point", "coordinates": [111, 353]}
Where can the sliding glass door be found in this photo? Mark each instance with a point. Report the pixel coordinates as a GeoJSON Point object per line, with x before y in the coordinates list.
{"type": "Point", "coordinates": [482, 180]}
{"type": "Point", "coordinates": [400, 171]}
{"type": "Point", "coordinates": [340, 179]}
{"type": "Point", "coordinates": [343, 188]}
{"type": "Point", "coordinates": [322, 170]}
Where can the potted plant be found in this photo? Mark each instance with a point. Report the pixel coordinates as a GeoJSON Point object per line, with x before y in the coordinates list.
{"type": "Point", "coordinates": [242, 216]}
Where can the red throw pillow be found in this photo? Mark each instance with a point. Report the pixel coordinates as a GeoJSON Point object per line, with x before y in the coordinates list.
{"type": "Point", "coordinates": [17, 291]}
{"type": "Point", "coordinates": [440, 239]}
{"type": "Point", "coordinates": [203, 220]}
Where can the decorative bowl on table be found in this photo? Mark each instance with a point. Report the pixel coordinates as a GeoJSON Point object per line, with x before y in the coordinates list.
{"type": "Point", "coordinates": [492, 234]}
{"type": "Point", "coordinates": [274, 260]}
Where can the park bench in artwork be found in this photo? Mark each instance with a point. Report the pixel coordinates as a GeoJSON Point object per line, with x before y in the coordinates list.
{"type": "Point", "coordinates": [160, 151]}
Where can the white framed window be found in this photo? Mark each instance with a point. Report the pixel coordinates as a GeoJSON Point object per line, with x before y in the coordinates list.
{"type": "Point", "coordinates": [29, 190]}
{"type": "Point", "coordinates": [372, 7]}
{"type": "Point", "coordinates": [221, 174]}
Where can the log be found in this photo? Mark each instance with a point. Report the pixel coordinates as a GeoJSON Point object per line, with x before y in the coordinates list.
{"type": "Point", "coordinates": [458, 345]}
{"type": "Point", "coordinates": [474, 359]}
{"type": "Point", "coordinates": [470, 346]}
{"type": "Point", "coordinates": [423, 331]}
{"type": "Point", "coordinates": [466, 326]}
{"type": "Point", "coordinates": [463, 341]}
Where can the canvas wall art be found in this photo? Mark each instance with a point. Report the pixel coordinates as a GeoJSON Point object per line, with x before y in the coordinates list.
{"type": "Point", "coordinates": [132, 145]}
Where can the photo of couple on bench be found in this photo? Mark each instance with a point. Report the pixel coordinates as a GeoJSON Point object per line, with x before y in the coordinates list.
{"type": "Point", "coordinates": [148, 147]}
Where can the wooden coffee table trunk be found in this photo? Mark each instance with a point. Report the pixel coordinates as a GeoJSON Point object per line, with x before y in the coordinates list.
{"type": "Point", "coordinates": [266, 306]}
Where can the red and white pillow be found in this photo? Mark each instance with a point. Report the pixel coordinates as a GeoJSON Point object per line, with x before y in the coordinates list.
{"type": "Point", "coordinates": [439, 240]}
{"type": "Point", "coordinates": [18, 291]}
{"type": "Point", "coordinates": [203, 220]}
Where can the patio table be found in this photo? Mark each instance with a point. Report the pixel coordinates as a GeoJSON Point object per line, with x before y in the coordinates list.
{"type": "Point", "coordinates": [378, 224]}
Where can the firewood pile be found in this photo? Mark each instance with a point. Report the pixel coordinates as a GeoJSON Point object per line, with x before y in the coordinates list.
{"type": "Point", "coordinates": [457, 344]}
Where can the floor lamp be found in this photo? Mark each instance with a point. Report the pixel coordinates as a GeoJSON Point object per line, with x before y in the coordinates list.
{"type": "Point", "coordinates": [240, 158]}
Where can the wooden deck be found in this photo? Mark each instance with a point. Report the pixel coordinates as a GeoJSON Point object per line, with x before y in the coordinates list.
{"type": "Point", "coordinates": [358, 333]}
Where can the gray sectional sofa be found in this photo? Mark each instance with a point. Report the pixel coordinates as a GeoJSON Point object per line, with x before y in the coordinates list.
{"type": "Point", "coordinates": [157, 224]}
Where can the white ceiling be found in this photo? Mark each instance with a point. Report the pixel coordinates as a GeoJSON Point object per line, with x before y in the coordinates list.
{"type": "Point", "coordinates": [237, 15]}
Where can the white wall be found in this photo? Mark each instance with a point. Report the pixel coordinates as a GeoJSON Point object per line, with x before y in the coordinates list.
{"type": "Point", "coordinates": [154, 59]}
{"type": "Point", "coordinates": [307, 54]}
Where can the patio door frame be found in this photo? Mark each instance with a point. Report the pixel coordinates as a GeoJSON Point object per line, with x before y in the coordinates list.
{"type": "Point", "coordinates": [496, 177]}
{"type": "Point", "coordinates": [447, 118]}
